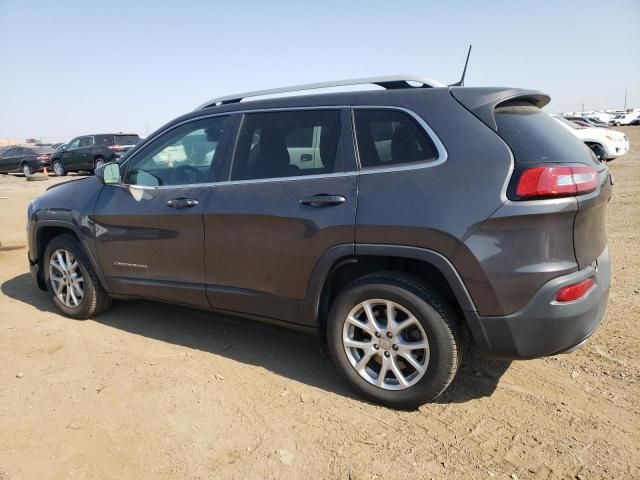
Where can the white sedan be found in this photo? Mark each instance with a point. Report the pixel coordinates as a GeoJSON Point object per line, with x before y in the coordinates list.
{"type": "Point", "coordinates": [606, 144]}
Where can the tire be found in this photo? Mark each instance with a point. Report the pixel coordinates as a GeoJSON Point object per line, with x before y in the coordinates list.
{"type": "Point", "coordinates": [435, 320]}
{"type": "Point", "coordinates": [94, 298]}
{"type": "Point", "coordinates": [98, 162]}
{"type": "Point", "coordinates": [58, 168]}
{"type": "Point", "coordinates": [26, 169]}
{"type": "Point", "coordinates": [599, 151]}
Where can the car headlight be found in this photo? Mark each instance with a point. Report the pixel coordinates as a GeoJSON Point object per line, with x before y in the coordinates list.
{"type": "Point", "coordinates": [609, 137]}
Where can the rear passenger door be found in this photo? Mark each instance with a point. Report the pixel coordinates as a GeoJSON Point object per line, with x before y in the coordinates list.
{"type": "Point", "coordinates": [268, 224]}
{"type": "Point", "coordinates": [84, 153]}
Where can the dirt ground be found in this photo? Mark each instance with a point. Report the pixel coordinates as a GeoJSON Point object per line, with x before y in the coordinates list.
{"type": "Point", "coordinates": [147, 390]}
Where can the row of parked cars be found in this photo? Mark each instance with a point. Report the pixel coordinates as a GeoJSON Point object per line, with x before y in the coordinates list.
{"type": "Point", "coordinates": [85, 153]}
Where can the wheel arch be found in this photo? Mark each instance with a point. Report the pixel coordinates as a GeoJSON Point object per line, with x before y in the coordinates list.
{"type": "Point", "coordinates": [46, 231]}
{"type": "Point", "coordinates": [342, 264]}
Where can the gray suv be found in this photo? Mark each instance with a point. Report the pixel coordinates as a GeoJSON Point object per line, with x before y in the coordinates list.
{"type": "Point", "coordinates": [392, 223]}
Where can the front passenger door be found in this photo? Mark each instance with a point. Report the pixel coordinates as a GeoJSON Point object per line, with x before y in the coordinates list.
{"type": "Point", "coordinates": [149, 229]}
{"type": "Point", "coordinates": [69, 155]}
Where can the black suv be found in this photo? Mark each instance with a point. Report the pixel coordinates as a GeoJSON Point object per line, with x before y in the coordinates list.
{"type": "Point", "coordinates": [91, 151]}
{"type": "Point", "coordinates": [394, 223]}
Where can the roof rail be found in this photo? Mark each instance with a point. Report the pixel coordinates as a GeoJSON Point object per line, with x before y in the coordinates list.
{"type": "Point", "coordinates": [389, 82]}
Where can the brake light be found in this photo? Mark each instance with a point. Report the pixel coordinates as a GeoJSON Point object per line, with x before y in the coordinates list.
{"type": "Point", "coordinates": [115, 147]}
{"type": "Point", "coordinates": [556, 181]}
{"type": "Point", "coordinates": [575, 291]}
{"type": "Point", "coordinates": [43, 157]}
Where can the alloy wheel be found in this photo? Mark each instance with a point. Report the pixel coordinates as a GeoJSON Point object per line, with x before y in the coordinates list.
{"type": "Point", "coordinates": [385, 344]}
{"type": "Point", "coordinates": [57, 168]}
{"type": "Point", "coordinates": [66, 278]}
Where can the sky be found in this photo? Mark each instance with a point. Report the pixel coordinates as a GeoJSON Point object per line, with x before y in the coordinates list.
{"type": "Point", "coordinates": [74, 67]}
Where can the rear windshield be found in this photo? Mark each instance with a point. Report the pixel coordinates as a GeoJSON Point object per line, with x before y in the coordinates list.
{"type": "Point", "coordinates": [126, 139]}
{"type": "Point", "coordinates": [535, 137]}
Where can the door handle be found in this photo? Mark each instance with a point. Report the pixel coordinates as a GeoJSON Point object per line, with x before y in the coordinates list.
{"type": "Point", "coordinates": [182, 203]}
{"type": "Point", "coordinates": [323, 200]}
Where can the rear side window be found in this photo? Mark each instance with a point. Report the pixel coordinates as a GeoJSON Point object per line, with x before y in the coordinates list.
{"type": "Point", "coordinates": [535, 137]}
{"type": "Point", "coordinates": [86, 141]}
{"type": "Point", "coordinates": [389, 137]}
{"type": "Point", "coordinates": [287, 144]}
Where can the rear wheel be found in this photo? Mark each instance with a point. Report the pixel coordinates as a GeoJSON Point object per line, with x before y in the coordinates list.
{"type": "Point", "coordinates": [394, 339]}
{"type": "Point", "coordinates": [26, 169]}
{"type": "Point", "coordinates": [58, 169]}
{"type": "Point", "coordinates": [72, 280]}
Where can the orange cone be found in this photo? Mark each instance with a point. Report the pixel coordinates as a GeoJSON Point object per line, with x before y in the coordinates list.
{"type": "Point", "coordinates": [45, 171]}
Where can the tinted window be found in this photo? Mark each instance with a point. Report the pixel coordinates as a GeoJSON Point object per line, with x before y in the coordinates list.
{"type": "Point", "coordinates": [182, 156]}
{"type": "Point", "coordinates": [11, 152]}
{"type": "Point", "coordinates": [104, 139]}
{"type": "Point", "coordinates": [535, 137]}
{"type": "Point", "coordinates": [287, 144]}
{"type": "Point", "coordinates": [390, 137]}
{"type": "Point", "coordinates": [126, 139]}
{"type": "Point", "coordinates": [86, 141]}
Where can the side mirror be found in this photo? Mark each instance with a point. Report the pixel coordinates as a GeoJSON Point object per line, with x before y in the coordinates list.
{"type": "Point", "coordinates": [109, 173]}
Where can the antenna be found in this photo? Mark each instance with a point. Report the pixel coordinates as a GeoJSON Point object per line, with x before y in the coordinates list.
{"type": "Point", "coordinates": [464, 72]}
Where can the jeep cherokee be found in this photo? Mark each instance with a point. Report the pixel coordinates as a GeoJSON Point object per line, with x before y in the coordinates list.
{"type": "Point", "coordinates": [393, 223]}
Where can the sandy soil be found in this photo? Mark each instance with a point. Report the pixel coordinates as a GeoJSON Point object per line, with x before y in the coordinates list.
{"type": "Point", "coordinates": [153, 391]}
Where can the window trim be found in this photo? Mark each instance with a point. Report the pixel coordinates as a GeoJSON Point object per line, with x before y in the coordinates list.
{"type": "Point", "coordinates": [231, 143]}
{"type": "Point", "coordinates": [442, 151]}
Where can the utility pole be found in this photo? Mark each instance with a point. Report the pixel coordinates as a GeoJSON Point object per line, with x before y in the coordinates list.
{"type": "Point", "coordinates": [625, 99]}
{"type": "Point", "coordinates": [583, 107]}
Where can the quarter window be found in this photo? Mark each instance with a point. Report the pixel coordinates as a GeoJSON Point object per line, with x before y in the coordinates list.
{"type": "Point", "coordinates": [388, 137]}
{"type": "Point", "coordinates": [182, 156]}
{"type": "Point", "coordinates": [287, 144]}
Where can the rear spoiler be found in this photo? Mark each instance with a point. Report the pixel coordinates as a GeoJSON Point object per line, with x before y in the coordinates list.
{"type": "Point", "coordinates": [482, 101]}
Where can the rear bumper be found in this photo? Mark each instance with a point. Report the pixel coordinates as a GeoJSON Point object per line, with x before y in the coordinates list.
{"type": "Point", "coordinates": [544, 327]}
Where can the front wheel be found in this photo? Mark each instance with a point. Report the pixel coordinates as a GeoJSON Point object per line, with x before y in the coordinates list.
{"type": "Point", "coordinates": [394, 339]}
{"type": "Point", "coordinates": [599, 151]}
{"type": "Point", "coordinates": [72, 280]}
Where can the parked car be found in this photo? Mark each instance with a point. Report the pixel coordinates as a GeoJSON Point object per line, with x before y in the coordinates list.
{"type": "Point", "coordinates": [478, 216]}
{"type": "Point", "coordinates": [626, 119]}
{"type": "Point", "coordinates": [635, 121]}
{"type": "Point", "coordinates": [606, 144]}
{"type": "Point", "coordinates": [587, 122]}
{"type": "Point", "coordinates": [25, 159]}
{"type": "Point", "coordinates": [88, 152]}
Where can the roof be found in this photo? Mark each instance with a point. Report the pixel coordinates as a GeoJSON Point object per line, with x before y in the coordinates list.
{"type": "Point", "coordinates": [392, 82]}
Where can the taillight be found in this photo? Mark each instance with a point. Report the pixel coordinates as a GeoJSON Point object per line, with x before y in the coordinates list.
{"type": "Point", "coordinates": [43, 158]}
{"type": "Point", "coordinates": [545, 182]}
{"type": "Point", "coordinates": [115, 147]}
{"type": "Point", "coordinates": [575, 291]}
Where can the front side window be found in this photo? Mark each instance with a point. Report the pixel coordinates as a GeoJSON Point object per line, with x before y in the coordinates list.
{"type": "Point", "coordinates": [287, 144]}
{"type": "Point", "coordinates": [73, 144]}
{"type": "Point", "coordinates": [388, 137]}
{"type": "Point", "coordinates": [182, 156]}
